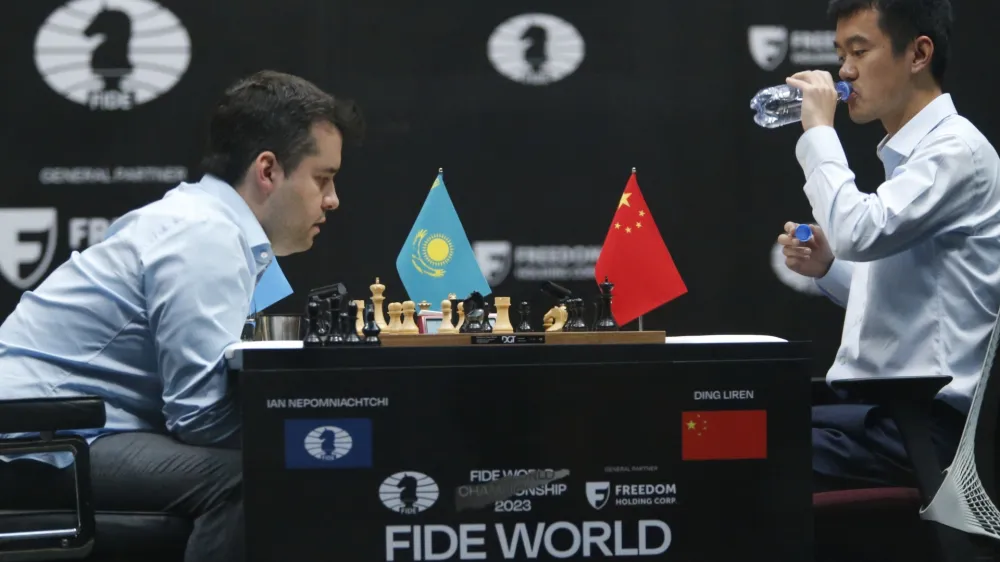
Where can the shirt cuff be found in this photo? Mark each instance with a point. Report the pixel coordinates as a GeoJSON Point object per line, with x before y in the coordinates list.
{"type": "Point", "coordinates": [816, 146]}
{"type": "Point", "coordinates": [836, 283]}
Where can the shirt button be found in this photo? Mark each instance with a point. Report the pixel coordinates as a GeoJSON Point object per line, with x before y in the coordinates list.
{"type": "Point", "coordinates": [263, 255]}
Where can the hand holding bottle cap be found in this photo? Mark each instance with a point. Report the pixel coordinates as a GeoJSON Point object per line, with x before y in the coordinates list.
{"type": "Point", "coordinates": [803, 232]}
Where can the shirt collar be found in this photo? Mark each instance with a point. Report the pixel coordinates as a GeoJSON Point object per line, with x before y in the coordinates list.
{"type": "Point", "coordinates": [245, 218]}
{"type": "Point", "coordinates": [894, 149]}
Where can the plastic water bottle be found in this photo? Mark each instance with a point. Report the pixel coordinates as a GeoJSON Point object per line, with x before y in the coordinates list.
{"type": "Point", "coordinates": [782, 105]}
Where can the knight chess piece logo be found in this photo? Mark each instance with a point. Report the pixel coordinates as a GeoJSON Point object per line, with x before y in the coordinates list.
{"type": "Point", "coordinates": [27, 242]}
{"type": "Point", "coordinates": [496, 258]}
{"type": "Point", "coordinates": [536, 49]}
{"type": "Point", "coordinates": [409, 492]}
{"type": "Point", "coordinates": [112, 55]}
{"type": "Point", "coordinates": [431, 253]}
{"type": "Point", "coordinates": [328, 443]}
{"type": "Point", "coordinates": [768, 45]}
{"type": "Point", "coordinates": [598, 494]}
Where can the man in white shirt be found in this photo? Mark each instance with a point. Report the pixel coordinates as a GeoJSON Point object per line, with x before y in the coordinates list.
{"type": "Point", "coordinates": [917, 262]}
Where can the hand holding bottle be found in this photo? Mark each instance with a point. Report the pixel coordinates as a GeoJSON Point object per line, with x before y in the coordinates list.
{"type": "Point", "coordinates": [819, 97]}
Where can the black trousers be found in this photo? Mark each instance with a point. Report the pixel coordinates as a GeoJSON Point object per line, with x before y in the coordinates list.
{"type": "Point", "coordinates": [859, 446]}
{"type": "Point", "coordinates": [151, 473]}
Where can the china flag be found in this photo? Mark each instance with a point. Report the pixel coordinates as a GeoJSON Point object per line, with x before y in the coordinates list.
{"type": "Point", "coordinates": [636, 260]}
{"type": "Point", "coordinates": [724, 435]}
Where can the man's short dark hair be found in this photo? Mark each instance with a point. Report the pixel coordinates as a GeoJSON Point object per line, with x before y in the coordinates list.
{"type": "Point", "coordinates": [905, 20]}
{"type": "Point", "coordinates": [273, 111]}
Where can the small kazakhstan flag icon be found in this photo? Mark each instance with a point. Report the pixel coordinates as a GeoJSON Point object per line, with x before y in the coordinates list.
{"type": "Point", "coordinates": [437, 258]}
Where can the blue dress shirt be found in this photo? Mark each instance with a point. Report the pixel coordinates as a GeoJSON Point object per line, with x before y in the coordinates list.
{"type": "Point", "coordinates": [142, 318]}
{"type": "Point", "coordinates": [917, 262]}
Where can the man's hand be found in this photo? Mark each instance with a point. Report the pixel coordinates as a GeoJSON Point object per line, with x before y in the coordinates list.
{"type": "Point", "coordinates": [819, 97]}
{"type": "Point", "coordinates": [812, 258]}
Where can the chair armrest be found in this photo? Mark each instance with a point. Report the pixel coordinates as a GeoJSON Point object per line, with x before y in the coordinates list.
{"type": "Point", "coordinates": [51, 414]}
{"type": "Point", "coordinates": [882, 390]}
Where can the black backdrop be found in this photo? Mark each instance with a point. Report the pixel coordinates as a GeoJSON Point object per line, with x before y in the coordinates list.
{"type": "Point", "coordinates": [536, 169]}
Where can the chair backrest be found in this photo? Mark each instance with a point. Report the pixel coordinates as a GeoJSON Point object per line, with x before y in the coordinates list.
{"type": "Point", "coordinates": [967, 498]}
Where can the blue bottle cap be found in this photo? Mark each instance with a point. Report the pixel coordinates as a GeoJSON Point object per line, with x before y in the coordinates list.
{"type": "Point", "coordinates": [843, 90]}
{"type": "Point", "coordinates": [803, 232]}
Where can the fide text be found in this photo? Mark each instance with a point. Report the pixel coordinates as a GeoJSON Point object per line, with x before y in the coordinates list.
{"type": "Point", "coordinates": [561, 539]}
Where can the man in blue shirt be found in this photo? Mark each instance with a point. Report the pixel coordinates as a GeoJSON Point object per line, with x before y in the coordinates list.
{"type": "Point", "coordinates": [142, 318]}
{"type": "Point", "coordinates": [915, 262]}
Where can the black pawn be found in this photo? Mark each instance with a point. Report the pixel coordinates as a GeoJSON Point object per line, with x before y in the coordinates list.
{"type": "Point", "coordinates": [371, 329]}
{"type": "Point", "coordinates": [350, 331]}
{"type": "Point", "coordinates": [312, 335]}
{"type": "Point", "coordinates": [524, 318]}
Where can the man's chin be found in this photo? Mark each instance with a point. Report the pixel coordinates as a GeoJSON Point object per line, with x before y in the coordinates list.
{"type": "Point", "coordinates": [861, 118]}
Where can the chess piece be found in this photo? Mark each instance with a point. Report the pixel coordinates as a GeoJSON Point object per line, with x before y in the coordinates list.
{"type": "Point", "coordinates": [395, 324]}
{"type": "Point", "coordinates": [503, 325]}
{"type": "Point", "coordinates": [524, 317]}
{"type": "Point", "coordinates": [558, 316]}
{"type": "Point", "coordinates": [377, 299]}
{"type": "Point", "coordinates": [312, 335]}
{"type": "Point", "coordinates": [359, 308]}
{"type": "Point", "coordinates": [461, 317]}
{"type": "Point", "coordinates": [371, 329]}
{"type": "Point", "coordinates": [487, 327]}
{"type": "Point", "coordinates": [474, 321]}
{"type": "Point", "coordinates": [446, 326]}
{"type": "Point", "coordinates": [575, 321]}
{"type": "Point", "coordinates": [348, 325]}
{"type": "Point", "coordinates": [325, 320]}
{"type": "Point", "coordinates": [336, 336]}
{"type": "Point", "coordinates": [605, 321]}
{"type": "Point", "coordinates": [454, 310]}
{"type": "Point", "coordinates": [424, 306]}
{"type": "Point", "coordinates": [408, 326]}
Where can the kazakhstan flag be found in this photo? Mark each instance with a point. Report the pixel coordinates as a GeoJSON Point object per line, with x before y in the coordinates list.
{"type": "Point", "coordinates": [437, 258]}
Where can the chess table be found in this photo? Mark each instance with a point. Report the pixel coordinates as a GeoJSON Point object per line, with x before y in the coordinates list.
{"type": "Point", "coordinates": [580, 447]}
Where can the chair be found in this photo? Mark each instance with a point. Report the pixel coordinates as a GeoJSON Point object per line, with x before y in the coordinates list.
{"type": "Point", "coordinates": [47, 531]}
{"type": "Point", "coordinates": [957, 505]}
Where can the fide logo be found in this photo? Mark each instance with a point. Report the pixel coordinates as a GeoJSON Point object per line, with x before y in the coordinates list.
{"type": "Point", "coordinates": [328, 443]}
{"type": "Point", "coordinates": [112, 55]}
{"type": "Point", "coordinates": [768, 45]}
{"type": "Point", "coordinates": [535, 49]}
{"type": "Point", "coordinates": [408, 492]}
{"type": "Point", "coordinates": [27, 240]}
{"type": "Point", "coordinates": [598, 494]}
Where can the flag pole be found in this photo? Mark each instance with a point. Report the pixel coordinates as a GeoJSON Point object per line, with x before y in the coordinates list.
{"type": "Point", "coordinates": [640, 316]}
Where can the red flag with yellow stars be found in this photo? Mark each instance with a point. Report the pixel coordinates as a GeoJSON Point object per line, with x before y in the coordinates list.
{"type": "Point", "coordinates": [635, 258]}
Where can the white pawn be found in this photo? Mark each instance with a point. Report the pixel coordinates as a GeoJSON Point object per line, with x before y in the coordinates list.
{"type": "Point", "coordinates": [446, 326]}
{"type": "Point", "coordinates": [409, 326]}
{"type": "Point", "coordinates": [395, 324]}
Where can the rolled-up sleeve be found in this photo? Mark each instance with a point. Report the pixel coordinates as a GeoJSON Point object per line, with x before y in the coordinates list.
{"type": "Point", "coordinates": [920, 200]}
{"type": "Point", "coordinates": [197, 283]}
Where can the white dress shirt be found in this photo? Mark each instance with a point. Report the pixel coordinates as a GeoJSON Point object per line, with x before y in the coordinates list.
{"type": "Point", "coordinates": [917, 262]}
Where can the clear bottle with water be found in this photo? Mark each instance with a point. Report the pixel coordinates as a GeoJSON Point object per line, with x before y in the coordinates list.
{"type": "Point", "coordinates": [778, 106]}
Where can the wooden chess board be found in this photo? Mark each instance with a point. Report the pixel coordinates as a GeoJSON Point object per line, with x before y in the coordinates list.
{"type": "Point", "coordinates": [525, 338]}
